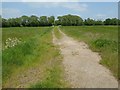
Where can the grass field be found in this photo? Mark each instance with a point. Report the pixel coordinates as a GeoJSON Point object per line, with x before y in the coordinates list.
{"type": "Point", "coordinates": [36, 49]}
{"type": "Point", "coordinates": [102, 39]}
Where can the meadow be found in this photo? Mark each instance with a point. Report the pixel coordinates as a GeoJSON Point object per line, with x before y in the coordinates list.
{"type": "Point", "coordinates": [35, 50]}
{"type": "Point", "coordinates": [101, 39]}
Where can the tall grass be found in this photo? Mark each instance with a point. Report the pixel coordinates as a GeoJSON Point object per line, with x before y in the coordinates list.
{"type": "Point", "coordinates": [102, 39]}
{"type": "Point", "coordinates": [15, 57]}
{"type": "Point", "coordinates": [35, 51]}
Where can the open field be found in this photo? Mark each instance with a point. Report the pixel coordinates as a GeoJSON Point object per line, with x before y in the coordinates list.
{"type": "Point", "coordinates": [34, 62]}
{"type": "Point", "coordinates": [101, 39]}
{"type": "Point", "coordinates": [68, 44]}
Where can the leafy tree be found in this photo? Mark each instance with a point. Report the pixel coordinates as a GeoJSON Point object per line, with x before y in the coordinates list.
{"type": "Point", "coordinates": [99, 22]}
{"type": "Point", "coordinates": [107, 21]}
{"type": "Point", "coordinates": [17, 22]}
{"type": "Point", "coordinates": [65, 20]}
{"type": "Point", "coordinates": [70, 20]}
{"type": "Point", "coordinates": [89, 22]}
{"type": "Point", "coordinates": [4, 23]}
{"type": "Point", "coordinates": [33, 21]}
{"type": "Point", "coordinates": [24, 20]}
{"type": "Point", "coordinates": [113, 21]}
{"type": "Point", "coordinates": [43, 21]}
{"type": "Point", "coordinates": [51, 20]}
{"type": "Point", "coordinates": [57, 22]}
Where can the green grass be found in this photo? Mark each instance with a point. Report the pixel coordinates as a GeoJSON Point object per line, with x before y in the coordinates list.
{"type": "Point", "coordinates": [102, 39]}
{"type": "Point", "coordinates": [35, 50]}
{"type": "Point", "coordinates": [57, 34]}
{"type": "Point", "coordinates": [54, 77]}
{"type": "Point", "coordinates": [17, 56]}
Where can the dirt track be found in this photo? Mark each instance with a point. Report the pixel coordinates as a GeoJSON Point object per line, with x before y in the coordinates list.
{"type": "Point", "coordinates": [82, 68]}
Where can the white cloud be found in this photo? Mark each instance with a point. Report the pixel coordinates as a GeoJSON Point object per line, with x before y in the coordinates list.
{"type": "Point", "coordinates": [73, 6]}
{"type": "Point", "coordinates": [42, 4]}
{"type": "Point", "coordinates": [76, 6]}
{"type": "Point", "coordinates": [10, 12]}
{"type": "Point", "coordinates": [100, 15]}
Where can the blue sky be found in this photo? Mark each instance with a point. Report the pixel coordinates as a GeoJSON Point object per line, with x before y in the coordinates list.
{"type": "Point", "coordinates": [95, 10]}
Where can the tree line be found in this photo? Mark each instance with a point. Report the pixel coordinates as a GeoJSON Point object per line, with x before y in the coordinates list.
{"type": "Point", "coordinates": [66, 20]}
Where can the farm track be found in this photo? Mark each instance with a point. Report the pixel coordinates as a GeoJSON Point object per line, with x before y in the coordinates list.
{"type": "Point", "coordinates": [82, 68]}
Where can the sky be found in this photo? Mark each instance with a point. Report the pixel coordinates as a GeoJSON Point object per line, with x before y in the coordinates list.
{"type": "Point", "coordinates": [94, 10]}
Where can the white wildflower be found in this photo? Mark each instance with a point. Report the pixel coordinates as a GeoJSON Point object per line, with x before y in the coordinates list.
{"type": "Point", "coordinates": [11, 42]}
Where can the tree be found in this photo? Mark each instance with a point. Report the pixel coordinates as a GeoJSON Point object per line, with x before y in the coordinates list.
{"type": "Point", "coordinates": [65, 20]}
{"type": "Point", "coordinates": [17, 22]}
{"type": "Point", "coordinates": [99, 22]}
{"type": "Point", "coordinates": [5, 23]}
{"type": "Point", "coordinates": [51, 20]}
{"type": "Point", "coordinates": [107, 21]}
{"type": "Point", "coordinates": [89, 22]}
{"type": "Point", "coordinates": [113, 21]}
{"type": "Point", "coordinates": [24, 20]}
{"type": "Point", "coordinates": [33, 21]}
{"type": "Point", "coordinates": [43, 21]}
{"type": "Point", "coordinates": [70, 20]}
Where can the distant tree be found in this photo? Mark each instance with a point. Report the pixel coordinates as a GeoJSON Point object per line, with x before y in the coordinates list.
{"type": "Point", "coordinates": [51, 20]}
{"type": "Point", "coordinates": [69, 20]}
{"type": "Point", "coordinates": [89, 22]}
{"type": "Point", "coordinates": [33, 21]}
{"type": "Point", "coordinates": [17, 22]}
{"type": "Point", "coordinates": [99, 22]}
{"type": "Point", "coordinates": [11, 22]}
{"type": "Point", "coordinates": [24, 20]}
{"type": "Point", "coordinates": [43, 21]}
{"type": "Point", "coordinates": [113, 21]}
{"type": "Point", "coordinates": [5, 23]}
{"type": "Point", "coordinates": [57, 22]}
{"type": "Point", "coordinates": [65, 20]}
{"type": "Point", "coordinates": [107, 21]}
